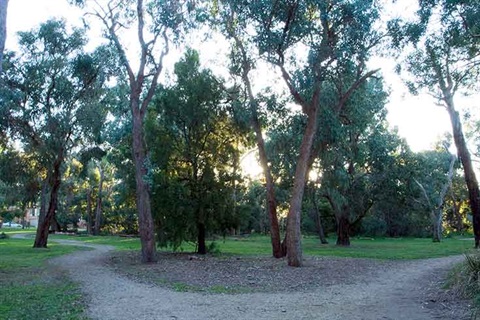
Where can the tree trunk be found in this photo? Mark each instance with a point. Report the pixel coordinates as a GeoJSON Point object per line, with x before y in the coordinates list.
{"type": "Point", "coordinates": [437, 224]}
{"type": "Point", "coordinates": [89, 212]}
{"type": "Point", "coordinates": [271, 199]}
{"type": "Point", "coordinates": [41, 237]}
{"type": "Point", "coordinates": [202, 247]}
{"type": "Point", "coordinates": [469, 173]}
{"type": "Point", "coordinates": [343, 230]}
{"type": "Point", "coordinates": [3, 29]}
{"type": "Point", "coordinates": [144, 210]}
{"type": "Point", "coordinates": [98, 208]}
{"type": "Point", "coordinates": [318, 225]}
{"type": "Point", "coordinates": [293, 240]}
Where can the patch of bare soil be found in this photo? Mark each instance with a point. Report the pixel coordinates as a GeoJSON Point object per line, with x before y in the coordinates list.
{"type": "Point", "coordinates": [240, 274]}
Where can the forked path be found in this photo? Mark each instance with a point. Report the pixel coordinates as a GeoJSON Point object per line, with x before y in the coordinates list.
{"type": "Point", "coordinates": [396, 294]}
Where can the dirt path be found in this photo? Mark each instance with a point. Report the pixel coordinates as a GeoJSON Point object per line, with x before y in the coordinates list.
{"type": "Point", "coordinates": [392, 294]}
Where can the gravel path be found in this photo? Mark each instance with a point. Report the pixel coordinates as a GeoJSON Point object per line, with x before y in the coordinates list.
{"type": "Point", "coordinates": [394, 293]}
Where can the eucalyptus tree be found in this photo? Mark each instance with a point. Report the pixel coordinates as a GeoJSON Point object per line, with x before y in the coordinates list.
{"type": "Point", "coordinates": [157, 24]}
{"type": "Point", "coordinates": [230, 17]}
{"type": "Point", "coordinates": [3, 29]}
{"type": "Point", "coordinates": [352, 144]}
{"type": "Point", "coordinates": [331, 34]}
{"type": "Point", "coordinates": [434, 180]}
{"type": "Point", "coordinates": [446, 62]}
{"type": "Point", "coordinates": [196, 146]}
{"type": "Point", "coordinates": [54, 103]}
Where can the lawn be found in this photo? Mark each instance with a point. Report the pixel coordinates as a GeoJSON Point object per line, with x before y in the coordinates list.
{"type": "Point", "coordinates": [33, 289]}
{"type": "Point", "coordinates": [378, 248]}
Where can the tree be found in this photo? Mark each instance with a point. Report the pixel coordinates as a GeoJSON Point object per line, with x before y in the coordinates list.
{"type": "Point", "coordinates": [196, 147]}
{"type": "Point", "coordinates": [153, 39]}
{"type": "Point", "coordinates": [434, 186]}
{"type": "Point", "coordinates": [54, 102]}
{"type": "Point", "coordinates": [444, 63]}
{"type": "Point", "coordinates": [242, 65]}
{"type": "Point", "coordinates": [3, 29]}
{"type": "Point", "coordinates": [331, 34]}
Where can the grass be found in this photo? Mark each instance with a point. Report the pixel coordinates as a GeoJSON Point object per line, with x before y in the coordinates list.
{"type": "Point", "coordinates": [31, 289]}
{"type": "Point", "coordinates": [121, 243]}
{"type": "Point", "coordinates": [378, 248]}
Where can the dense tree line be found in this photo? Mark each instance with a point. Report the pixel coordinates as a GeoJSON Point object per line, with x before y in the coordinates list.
{"type": "Point", "coordinates": [97, 137]}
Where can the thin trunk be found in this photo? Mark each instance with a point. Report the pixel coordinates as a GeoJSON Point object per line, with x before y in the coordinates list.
{"type": "Point", "coordinates": [202, 247]}
{"type": "Point", "coordinates": [277, 250]}
{"type": "Point", "coordinates": [294, 240]}
{"type": "Point", "coordinates": [98, 207]}
{"type": "Point", "coordinates": [3, 29]}
{"type": "Point", "coordinates": [469, 173]}
{"type": "Point", "coordinates": [144, 210]}
{"type": "Point", "coordinates": [436, 216]}
{"type": "Point", "coordinates": [89, 212]}
{"type": "Point", "coordinates": [318, 224]}
{"type": "Point", "coordinates": [41, 238]}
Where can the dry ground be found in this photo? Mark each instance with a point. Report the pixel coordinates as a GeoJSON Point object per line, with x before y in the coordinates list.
{"type": "Point", "coordinates": [118, 287]}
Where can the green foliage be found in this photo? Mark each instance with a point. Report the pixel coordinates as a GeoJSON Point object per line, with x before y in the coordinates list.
{"type": "Point", "coordinates": [195, 152]}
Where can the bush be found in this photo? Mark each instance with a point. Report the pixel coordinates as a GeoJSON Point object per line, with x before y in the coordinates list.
{"type": "Point", "coordinates": [3, 235]}
{"type": "Point", "coordinates": [465, 280]}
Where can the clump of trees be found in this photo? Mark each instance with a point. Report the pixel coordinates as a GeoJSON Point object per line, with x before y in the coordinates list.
{"type": "Point", "coordinates": [101, 137]}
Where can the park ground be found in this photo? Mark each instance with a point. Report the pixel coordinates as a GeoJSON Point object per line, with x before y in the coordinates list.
{"type": "Point", "coordinates": [101, 278]}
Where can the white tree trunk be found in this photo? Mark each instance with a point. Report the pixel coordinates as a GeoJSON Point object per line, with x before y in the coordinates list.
{"type": "Point", "coordinates": [3, 29]}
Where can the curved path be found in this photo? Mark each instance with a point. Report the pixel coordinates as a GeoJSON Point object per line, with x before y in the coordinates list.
{"type": "Point", "coordinates": [394, 294]}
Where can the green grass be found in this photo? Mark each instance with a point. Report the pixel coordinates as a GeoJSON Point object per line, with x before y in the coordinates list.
{"type": "Point", "coordinates": [121, 243]}
{"type": "Point", "coordinates": [11, 231]}
{"type": "Point", "coordinates": [32, 289]}
{"type": "Point", "coordinates": [378, 248]}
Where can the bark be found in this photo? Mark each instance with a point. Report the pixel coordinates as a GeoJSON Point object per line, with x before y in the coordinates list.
{"type": "Point", "coordinates": [469, 173]}
{"type": "Point", "coordinates": [41, 237]}
{"type": "Point", "coordinates": [293, 240]}
{"type": "Point", "coordinates": [144, 210]}
{"type": "Point", "coordinates": [98, 207]}
{"type": "Point", "coordinates": [343, 230]}
{"type": "Point", "coordinates": [202, 247]}
{"type": "Point", "coordinates": [3, 29]}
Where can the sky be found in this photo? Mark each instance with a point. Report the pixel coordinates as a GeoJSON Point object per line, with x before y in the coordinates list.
{"type": "Point", "coordinates": [418, 119]}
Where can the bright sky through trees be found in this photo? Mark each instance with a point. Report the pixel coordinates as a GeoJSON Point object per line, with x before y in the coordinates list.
{"type": "Point", "coordinates": [418, 119]}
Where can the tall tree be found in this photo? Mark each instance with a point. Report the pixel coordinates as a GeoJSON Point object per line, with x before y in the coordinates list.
{"type": "Point", "coordinates": [242, 62]}
{"type": "Point", "coordinates": [54, 103]}
{"type": "Point", "coordinates": [3, 29]}
{"type": "Point", "coordinates": [331, 34]}
{"type": "Point", "coordinates": [445, 62]}
{"type": "Point", "coordinates": [157, 24]}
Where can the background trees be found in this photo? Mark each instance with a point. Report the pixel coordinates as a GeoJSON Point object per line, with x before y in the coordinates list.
{"type": "Point", "coordinates": [169, 154]}
{"type": "Point", "coordinates": [56, 91]}
{"type": "Point", "coordinates": [446, 63]}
